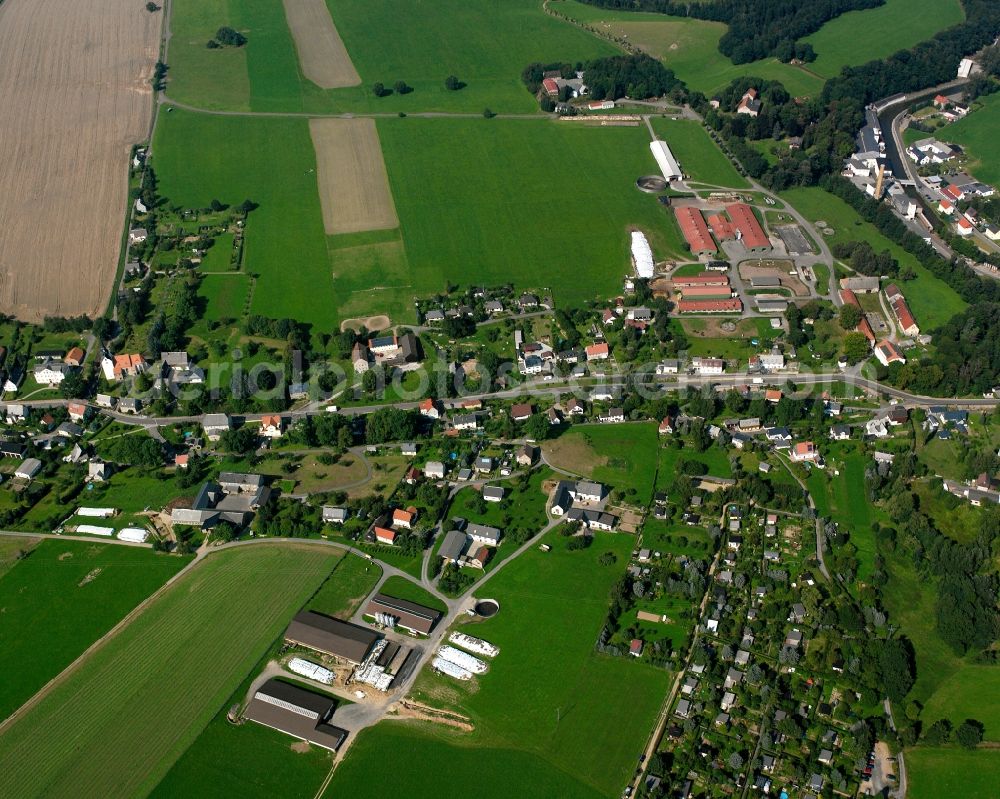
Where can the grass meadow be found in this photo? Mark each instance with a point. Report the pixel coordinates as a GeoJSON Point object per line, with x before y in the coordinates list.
{"type": "Point", "coordinates": [140, 701]}
{"type": "Point", "coordinates": [715, 459]}
{"type": "Point", "coordinates": [932, 301]}
{"type": "Point", "coordinates": [622, 456]}
{"type": "Point", "coordinates": [401, 588]}
{"type": "Point", "coordinates": [690, 47]}
{"type": "Point", "coordinates": [860, 36]}
{"type": "Point", "coordinates": [482, 42]}
{"type": "Point", "coordinates": [977, 134]}
{"type": "Point", "coordinates": [950, 771]}
{"type": "Point", "coordinates": [552, 717]}
{"type": "Point", "coordinates": [52, 612]}
{"type": "Point", "coordinates": [698, 155]}
{"type": "Point", "coordinates": [535, 203]}
{"type": "Point", "coordinates": [841, 497]}
{"type": "Point", "coordinates": [250, 760]}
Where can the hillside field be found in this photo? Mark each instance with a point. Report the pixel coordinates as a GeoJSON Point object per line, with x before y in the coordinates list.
{"type": "Point", "coordinates": [481, 42]}
{"type": "Point", "coordinates": [690, 47]}
{"type": "Point", "coordinates": [552, 717]}
{"type": "Point", "coordinates": [861, 36]}
{"type": "Point", "coordinates": [932, 301]}
{"type": "Point", "coordinates": [140, 701]}
{"type": "Point", "coordinates": [60, 599]}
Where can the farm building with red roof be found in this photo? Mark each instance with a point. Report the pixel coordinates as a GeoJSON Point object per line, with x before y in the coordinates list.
{"type": "Point", "coordinates": [745, 221]}
{"type": "Point", "coordinates": [695, 231]}
{"type": "Point", "coordinates": [721, 227]}
{"type": "Point", "coordinates": [704, 292]}
{"type": "Point", "coordinates": [732, 305]}
{"type": "Point", "coordinates": [704, 279]}
{"type": "Point", "coordinates": [550, 86]}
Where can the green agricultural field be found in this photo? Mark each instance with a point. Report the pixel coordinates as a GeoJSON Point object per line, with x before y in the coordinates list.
{"type": "Point", "coordinates": [977, 134]}
{"type": "Point", "coordinates": [60, 599]}
{"type": "Point", "coordinates": [950, 771]}
{"type": "Point", "coordinates": [552, 717]}
{"type": "Point", "coordinates": [424, 758]}
{"type": "Point", "coordinates": [144, 697]}
{"type": "Point", "coordinates": [860, 36]}
{"type": "Point", "coordinates": [480, 41]}
{"type": "Point", "coordinates": [200, 157]}
{"type": "Point", "coordinates": [13, 548]}
{"type": "Point", "coordinates": [496, 201]}
{"type": "Point", "coordinates": [690, 47]}
{"type": "Point", "coordinates": [932, 301]}
{"type": "Point", "coordinates": [623, 456]}
{"type": "Point", "coordinates": [250, 760]}
{"type": "Point", "coordinates": [698, 155]}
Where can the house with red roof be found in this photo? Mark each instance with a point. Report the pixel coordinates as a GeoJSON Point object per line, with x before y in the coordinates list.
{"type": "Point", "coordinates": [385, 536]}
{"type": "Point", "coordinates": [804, 451]}
{"type": "Point", "coordinates": [598, 352]}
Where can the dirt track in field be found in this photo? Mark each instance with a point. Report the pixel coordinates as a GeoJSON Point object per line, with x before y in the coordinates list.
{"type": "Point", "coordinates": [353, 184]}
{"type": "Point", "coordinates": [75, 95]}
{"type": "Point", "coordinates": [322, 55]}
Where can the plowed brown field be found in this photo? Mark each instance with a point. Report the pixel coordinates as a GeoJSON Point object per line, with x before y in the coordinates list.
{"type": "Point", "coordinates": [74, 97]}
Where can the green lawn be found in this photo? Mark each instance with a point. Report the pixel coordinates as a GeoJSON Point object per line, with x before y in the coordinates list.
{"type": "Point", "coordinates": [689, 47]}
{"type": "Point", "coordinates": [698, 155]}
{"type": "Point", "coordinates": [622, 456]}
{"type": "Point", "coordinates": [225, 295]}
{"type": "Point", "coordinates": [977, 134]}
{"type": "Point", "coordinates": [932, 301]}
{"type": "Point", "coordinates": [860, 36]}
{"type": "Point", "coordinates": [552, 717]}
{"type": "Point", "coordinates": [51, 612]}
{"type": "Point", "coordinates": [254, 761]}
{"type": "Point", "coordinates": [140, 701]}
{"type": "Point", "coordinates": [715, 459]}
{"type": "Point", "coordinates": [950, 771]}
{"type": "Point", "coordinates": [521, 201]}
{"type": "Point", "coordinates": [200, 157]}
{"type": "Point", "coordinates": [219, 255]}
{"type": "Point", "coordinates": [482, 42]}
{"type": "Point", "coordinates": [972, 691]}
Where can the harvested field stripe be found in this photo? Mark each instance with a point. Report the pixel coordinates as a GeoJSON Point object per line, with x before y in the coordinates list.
{"type": "Point", "coordinates": [322, 55]}
{"type": "Point", "coordinates": [76, 95]}
{"type": "Point", "coordinates": [350, 172]}
{"type": "Point", "coordinates": [126, 714]}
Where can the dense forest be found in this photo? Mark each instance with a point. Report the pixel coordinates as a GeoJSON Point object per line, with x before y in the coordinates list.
{"type": "Point", "coordinates": [757, 28]}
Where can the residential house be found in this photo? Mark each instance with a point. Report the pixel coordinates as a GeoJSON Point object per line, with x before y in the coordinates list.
{"type": "Point", "coordinates": [434, 470]}
{"type": "Point", "coordinates": [51, 373]}
{"type": "Point", "coordinates": [430, 409]}
{"type": "Point", "coordinates": [28, 469]}
{"type": "Point", "coordinates": [493, 493]}
{"type": "Point", "coordinates": [271, 426]}
{"type": "Point", "coordinates": [78, 411]}
{"type": "Point", "coordinates": [385, 536]}
{"type": "Point", "coordinates": [98, 471]}
{"type": "Point", "coordinates": [215, 424]}
{"type": "Point", "coordinates": [484, 534]}
{"type": "Point", "coordinates": [521, 411]}
{"type": "Point", "coordinates": [598, 352]}
{"type": "Point", "coordinates": [805, 451]}
{"type": "Point", "coordinates": [122, 366]}
{"type": "Point", "coordinates": [74, 357]}
{"type": "Point", "coordinates": [335, 515]}
{"type": "Point", "coordinates": [404, 518]}
{"type": "Point", "coordinates": [526, 455]}
{"type": "Point", "coordinates": [467, 421]}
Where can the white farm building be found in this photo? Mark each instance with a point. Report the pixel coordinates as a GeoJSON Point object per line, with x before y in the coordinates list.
{"type": "Point", "coordinates": [642, 255]}
{"type": "Point", "coordinates": [665, 160]}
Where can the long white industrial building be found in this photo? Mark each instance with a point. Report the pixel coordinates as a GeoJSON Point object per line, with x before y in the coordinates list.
{"type": "Point", "coordinates": [665, 160]}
